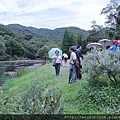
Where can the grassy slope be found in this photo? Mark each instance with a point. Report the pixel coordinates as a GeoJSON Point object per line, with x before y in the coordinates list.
{"type": "Point", "coordinates": [46, 77]}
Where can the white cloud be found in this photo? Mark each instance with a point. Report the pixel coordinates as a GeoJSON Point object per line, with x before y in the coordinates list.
{"type": "Point", "coordinates": [52, 13]}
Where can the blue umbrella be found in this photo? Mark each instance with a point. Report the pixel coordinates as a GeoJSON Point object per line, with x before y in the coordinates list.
{"type": "Point", "coordinates": [51, 53]}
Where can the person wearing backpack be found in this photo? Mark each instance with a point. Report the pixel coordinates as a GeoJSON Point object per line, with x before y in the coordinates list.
{"type": "Point", "coordinates": [79, 62]}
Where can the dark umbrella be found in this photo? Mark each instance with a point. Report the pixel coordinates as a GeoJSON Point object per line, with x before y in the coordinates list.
{"type": "Point", "coordinates": [93, 45]}
{"type": "Point", "coordinates": [105, 42]}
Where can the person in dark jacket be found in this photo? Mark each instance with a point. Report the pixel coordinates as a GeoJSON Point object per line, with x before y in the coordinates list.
{"type": "Point", "coordinates": [79, 62]}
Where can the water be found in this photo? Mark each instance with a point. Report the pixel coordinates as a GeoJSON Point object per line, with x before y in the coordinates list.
{"type": "Point", "coordinates": [8, 68]}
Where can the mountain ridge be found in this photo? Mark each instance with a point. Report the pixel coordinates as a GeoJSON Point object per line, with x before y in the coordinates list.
{"type": "Point", "coordinates": [45, 33]}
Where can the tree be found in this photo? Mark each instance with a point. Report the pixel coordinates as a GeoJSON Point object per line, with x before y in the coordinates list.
{"type": "Point", "coordinates": [69, 39]}
{"type": "Point", "coordinates": [43, 52]}
{"type": "Point", "coordinates": [2, 49]}
{"type": "Point", "coordinates": [95, 34]}
{"type": "Point", "coordinates": [28, 37]}
{"type": "Point", "coordinates": [112, 12]}
{"type": "Point", "coordinates": [79, 38]}
{"type": "Point", "coordinates": [14, 48]}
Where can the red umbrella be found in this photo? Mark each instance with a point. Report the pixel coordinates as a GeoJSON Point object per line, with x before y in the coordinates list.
{"type": "Point", "coordinates": [115, 41]}
{"type": "Point", "coordinates": [118, 41]}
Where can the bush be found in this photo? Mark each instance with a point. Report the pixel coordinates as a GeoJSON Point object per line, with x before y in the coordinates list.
{"type": "Point", "coordinates": [99, 100]}
{"type": "Point", "coordinates": [21, 71]}
{"type": "Point", "coordinates": [31, 102]}
{"type": "Point", "coordinates": [106, 97]}
{"type": "Point", "coordinates": [103, 65]}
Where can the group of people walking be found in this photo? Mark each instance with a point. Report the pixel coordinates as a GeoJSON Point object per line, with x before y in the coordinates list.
{"type": "Point", "coordinates": [75, 64]}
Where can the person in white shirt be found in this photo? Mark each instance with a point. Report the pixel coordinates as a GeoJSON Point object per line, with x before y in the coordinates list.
{"type": "Point", "coordinates": [73, 58]}
{"type": "Point", "coordinates": [57, 59]}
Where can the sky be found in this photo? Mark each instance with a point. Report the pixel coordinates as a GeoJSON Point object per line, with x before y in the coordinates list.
{"type": "Point", "coordinates": [52, 14]}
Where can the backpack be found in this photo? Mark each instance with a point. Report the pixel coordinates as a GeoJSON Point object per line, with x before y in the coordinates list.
{"type": "Point", "coordinates": [77, 63]}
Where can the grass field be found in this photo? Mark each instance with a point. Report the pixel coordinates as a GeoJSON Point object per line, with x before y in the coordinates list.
{"type": "Point", "coordinates": [45, 75]}
{"type": "Point", "coordinates": [75, 96]}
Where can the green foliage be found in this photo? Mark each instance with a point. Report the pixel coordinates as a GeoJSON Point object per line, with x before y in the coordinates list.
{"type": "Point", "coordinates": [55, 35]}
{"type": "Point", "coordinates": [112, 12]}
{"type": "Point", "coordinates": [32, 46]}
{"type": "Point", "coordinates": [105, 64]}
{"type": "Point", "coordinates": [69, 39]}
{"type": "Point", "coordinates": [21, 71]}
{"type": "Point", "coordinates": [79, 38]}
{"type": "Point", "coordinates": [106, 96]}
{"type": "Point", "coordinates": [42, 85]}
{"type": "Point", "coordinates": [32, 102]}
{"type": "Point", "coordinates": [2, 49]}
{"type": "Point", "coordinates": [14, 48]}
{"type": "Point", "coordinates": [5, 31]}
{"type": "Point", "coordinates": [43, 52]}
{"type": "Point", "coordinates": [24, 42]}
{"type": "Point", "coordinates": [98, 100]}
{"type": "Point", "coordinates": [28, 37]}
{"type": "Point", "coordinates": [3, 78]}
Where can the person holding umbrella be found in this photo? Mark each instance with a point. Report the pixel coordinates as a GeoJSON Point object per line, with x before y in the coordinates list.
{"type": "Point", "coordinates": [57, 60]}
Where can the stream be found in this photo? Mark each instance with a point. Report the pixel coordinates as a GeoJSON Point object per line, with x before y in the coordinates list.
{"type": "Point", "coordinates": [8, 68]}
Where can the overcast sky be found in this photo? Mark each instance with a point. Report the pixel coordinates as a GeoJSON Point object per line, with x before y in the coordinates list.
{"type": "Point", "coordinates": [52, 13]}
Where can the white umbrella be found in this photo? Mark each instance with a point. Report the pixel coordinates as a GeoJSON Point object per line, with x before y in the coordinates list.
{"type": "Point", "coordinates": [94, 45]}
{"type": "Point", "coordinates": [105, 42]}
{"type": "Point", "coordinates": [65, 55]}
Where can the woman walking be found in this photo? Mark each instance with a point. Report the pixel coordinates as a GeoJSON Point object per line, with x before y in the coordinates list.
{"type": "Point", "coordinates": [57, 62]}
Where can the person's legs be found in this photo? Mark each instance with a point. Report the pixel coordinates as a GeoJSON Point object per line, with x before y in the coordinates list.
{"type": "Point", "coordinates": [80, 72]}
{"type": "Point", "coordinates": [72, 74]}
{"type": "Point", "coordinates": [57, 67]}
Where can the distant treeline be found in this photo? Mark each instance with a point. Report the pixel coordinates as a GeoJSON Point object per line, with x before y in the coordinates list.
{"type": "Point", "coordinates": [20, 42]}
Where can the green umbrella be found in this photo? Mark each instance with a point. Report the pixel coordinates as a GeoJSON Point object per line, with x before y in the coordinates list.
{"type": "Point", "coordinates": [51, 53]}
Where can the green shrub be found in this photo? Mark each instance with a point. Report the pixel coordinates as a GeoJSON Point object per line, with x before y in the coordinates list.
{"type": "Point", "coordinates": [32, 102]}
{"type": "Point", "coordinates": [99, 100]}
{"type": "Point", "coordinates": [106, 97]}
{"type": "Point", "coordinates": [21, 71]}
{"type": "Point", "coordinates": [104, 65]}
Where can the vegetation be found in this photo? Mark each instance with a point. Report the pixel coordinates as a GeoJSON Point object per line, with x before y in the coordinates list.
{"type": "Point", "coordinates": [68, 40]}
{"type": "Point", "coordinates": [112, 12]}
{"type": "Point", "coordinates": [20, 42]}
{"type": "Point", "coordinates": [40, 91]}
{"type": "Point", "coordinates": [104, 65]}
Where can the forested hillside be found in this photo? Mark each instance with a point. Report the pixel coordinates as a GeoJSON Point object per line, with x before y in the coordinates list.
{"type": "Point", "coordinates": [46, 34]}
{"type": "Point", "coordinates": [20, 42]}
